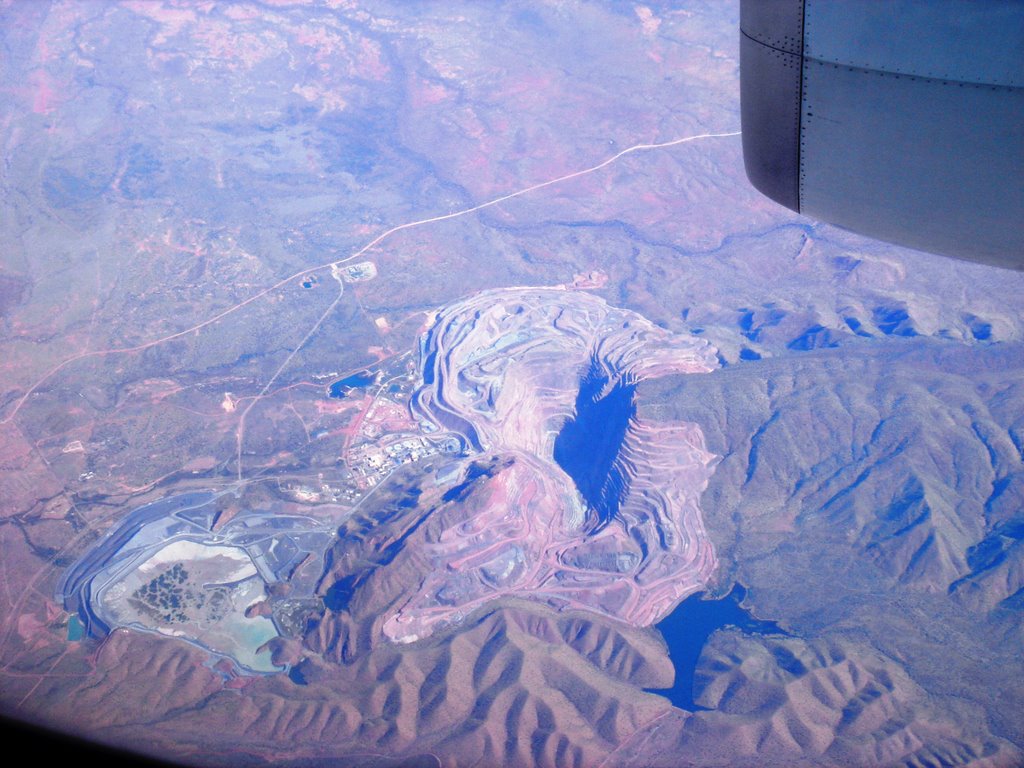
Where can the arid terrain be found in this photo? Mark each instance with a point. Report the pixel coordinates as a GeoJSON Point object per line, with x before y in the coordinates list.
{"type": "Point", "coordinates": [423, 384]}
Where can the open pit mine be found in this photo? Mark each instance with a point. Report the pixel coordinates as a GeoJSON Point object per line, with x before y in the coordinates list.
{"type": "Point", "coordinates": [567, 497]}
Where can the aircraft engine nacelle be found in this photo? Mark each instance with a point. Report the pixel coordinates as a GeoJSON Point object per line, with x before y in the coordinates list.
{"type": "Point", "coordinates": [899, 119]}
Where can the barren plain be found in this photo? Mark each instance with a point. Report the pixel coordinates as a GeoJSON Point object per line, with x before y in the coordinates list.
{"type": "Point", "coordinates": [457, 328]}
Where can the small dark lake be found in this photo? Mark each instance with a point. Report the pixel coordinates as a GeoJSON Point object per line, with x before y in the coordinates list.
{"type": "Point", "coordinates": [362, 379]}
{"type": "Point", "coordinates": [688, 628]}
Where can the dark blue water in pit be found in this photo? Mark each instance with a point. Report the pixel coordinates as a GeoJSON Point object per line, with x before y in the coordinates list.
{"type": "Point", "coordinates": [589, 443]}
{"type": "Point", "coordinates": [688, 628]}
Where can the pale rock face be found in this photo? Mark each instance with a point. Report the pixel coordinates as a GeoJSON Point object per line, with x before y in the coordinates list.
{"type": "Point", "coordinates": [505, 368]}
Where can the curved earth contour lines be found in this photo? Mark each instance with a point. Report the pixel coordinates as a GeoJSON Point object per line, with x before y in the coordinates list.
{"type": "Point", "coordinates": [505, 369]}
